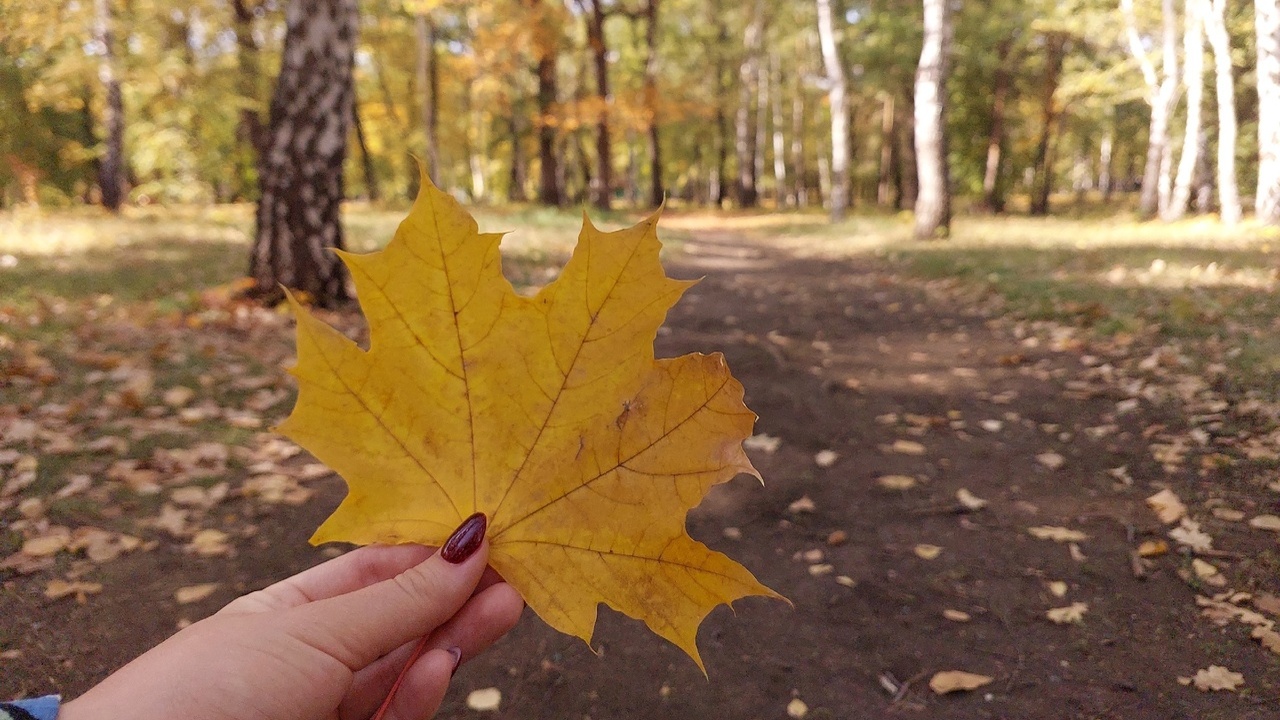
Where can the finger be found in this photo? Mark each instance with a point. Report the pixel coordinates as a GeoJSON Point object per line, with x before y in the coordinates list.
{"type": "Point", "coordinates": [370, 685]}
{"type": "Point", "coordinates": [481, 622]}
{"type": "Point", "coordinates": [349, 572]}
{"type": "Point", "coordinates": [487, 616]}
{"type": "Point", "coordinates": [423, 688]}
{"type": "Point", "coordinates": [358, 627]}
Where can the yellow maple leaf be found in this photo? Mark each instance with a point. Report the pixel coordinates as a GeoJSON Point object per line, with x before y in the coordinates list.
{"type": "Point", "coordinates": [549, 414]}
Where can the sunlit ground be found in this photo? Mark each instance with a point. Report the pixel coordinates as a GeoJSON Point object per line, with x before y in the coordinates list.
{"type": "Point", "coordinates": [1194, 280]}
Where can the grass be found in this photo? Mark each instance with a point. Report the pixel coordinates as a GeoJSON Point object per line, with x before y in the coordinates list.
{"type": "Point", "coordinates": [1193, 280]}
{"type": "Point", "coordinates": [1196, 282]}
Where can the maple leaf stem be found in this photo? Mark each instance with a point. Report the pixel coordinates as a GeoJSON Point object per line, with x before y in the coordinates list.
{"type": "Point", "coordinates": [391, 694]}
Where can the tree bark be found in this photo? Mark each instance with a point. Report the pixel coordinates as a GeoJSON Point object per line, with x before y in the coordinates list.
{"type": "Point", "coordinates": [888, 126]}
{"type": "Point", "coordinates": [1267, 201]}
{"type": "Point", "coordinates": [429, 85]}
{"type": "Point", "coordinates": [1162, 96]}
{"type": "Point", "coordinates": [781, 192]}
{"type": "Point", "coordinates": [1042, 188]}
{"type": "Point", "coordinates": [602, 183]}
{"type": "Point", "coordinates": [992, 187]}
{"type": "Point", "coordinates": [515, 181]}
{"type": "Point", "coordinates": [366, 161]}
{"type": "Point", "coordinates": [800, 191]}
{"type": "Point", "coordinates": [1193, 77]}
{"type": "Point", "coordinates": [546, 43]}
{"type": "Point", "coordinates": [837, 90]}
{"type": "Point", "coordinates": [1220, 41]}
{"type": "Point", "coordinates": [933, 205]}
{"type": "Point", "coordinates": [745, 142]}
{"type": "Point", "coordinates": [249, 128]}
{"type": "Point", "coordinates": [657, 190]}
{"type": "Point", "coordinates": [1105, 152]}
{"type": "Point", "coordinates": [111, 161]}
{"type": "Point", "coordinates": [298, 217]}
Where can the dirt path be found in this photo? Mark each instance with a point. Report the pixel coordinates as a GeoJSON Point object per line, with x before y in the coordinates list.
{"type": "Point", "coordinates": [897, 379]}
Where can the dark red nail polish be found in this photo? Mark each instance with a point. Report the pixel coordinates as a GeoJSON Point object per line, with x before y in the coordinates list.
{"type": "Point", "coordinates": [465, 540]}
{"type": "Point", "coordinates": [456, 652]}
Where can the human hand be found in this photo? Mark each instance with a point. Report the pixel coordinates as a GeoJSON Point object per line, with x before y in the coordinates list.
{"type": "Point", "coordinates": [326, 643]}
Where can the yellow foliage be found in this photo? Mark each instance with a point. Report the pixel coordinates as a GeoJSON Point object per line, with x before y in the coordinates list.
{"type": "Point", "coordinates": [550, 414]}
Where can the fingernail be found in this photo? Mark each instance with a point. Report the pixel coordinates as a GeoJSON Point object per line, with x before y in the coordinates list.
{"type": "Point", "coordinates": [465, 540]}
{"type": "Point", "coordinates": [456, 652]}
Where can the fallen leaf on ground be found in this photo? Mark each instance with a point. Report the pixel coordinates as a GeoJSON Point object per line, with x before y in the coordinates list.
{"type": "Point", "coordinates": [1269, 638]}
{"type": "Point", "coordinates": [970, 501]}
{"type": "Point", "coordinates": [991, 425]}
{"type": "Point", "coordinates": [550, 414]}
{"type": "Point", "coordinates": [1228, 514]}
{"type": "Point", "coordinates": [764, 443]}
{"type": "Point", "coordinates": [1189, 533]}
{"type": "Point", "coordinates": [194, 593]}
{"type": "Point", "coordinates": [1167, 506]}
{"type": "Point", "coordinates": [846, 581]}
{"type": "Point", "coordinates": [927, 552]}
{"type": "Point", "coordinates": [826, 458]}
{"type": "Point", "coordinates": [957, 681]}
{"type": "Point", "coordinates": [956, 615]}
{"type": "Point", "coordinates": [803, 505]}
{"type": "Point", "coordinates": [1073, 613]}
{"type": "Point", "coordinates": [732, 533]}
{"type": "Point", "coordinates": [51, 542]}
{"type": "Point", "coordinates": [1265, 522]}
{"type": "Point", "coordinates": [209, 543]}
{"type": "Point", "coordinates": [1153, 548]}
{"type": "Point", "coordinates": [1058, 588]}
{"type": "Point", "coordinates": [1215, 677]}
{"type": "Point", "coordinates": [821, 569]}
{"type": "Point", "coordinates": [907, 447]}
{"type": "Point", "coordinates": [896, 482]}
{"type": "Point", "coordinates": [58, 589]}
{"type": "Point", "coordinates": [1207, 572]}
{"type": "Point", "coordinates": [1057, 534]}
{"type": "Point", "coordinates": [1267, 602]}
{"type": "Point", "coordinates": [485, 699]}
{"type": "Point", "coordinates": [1051, 460]}
{"type": "Point", "coordinates": [797, 709]}
{"type": "Point", "coordinates": [837, 538]}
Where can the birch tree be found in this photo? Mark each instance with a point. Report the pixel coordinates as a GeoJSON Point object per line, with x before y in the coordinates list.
{"type": "Point", "coordinates": [298, 220]}
{"type": "Point", "coordinates": [1267, 201]}
{"type": "Point", "coordinates": [837, 88]}
{"type": "Point", "coordinates": [1193, 77]}
{"type": "Point", "coordinates": [1162, 96]}
{"type": "Point", "coordinates": [1216, 30]}
{"type": "Point", "coordinates": [933, 203]}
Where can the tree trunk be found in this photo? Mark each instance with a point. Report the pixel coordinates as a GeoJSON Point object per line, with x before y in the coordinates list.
{"type": "Point", "coordinates": [800, 189]}
{"type": "Point", "coordinates": [992, 187]}
{"type": "Point", "coordinates": [748, 75]}
{"type": "Point", "coordinates": [1105, 152]}
{"type": "Point", "coordinates": [657, 190]}
{"type": "Point", "coordinates": [1042, 188]}
{"type": "Point", "coordinates": [888, 126]}
{"type": "Point", "coordinates": [249, 128]}
{"type": "Point", "coordinates": [905, 180]}
{"type": "Point", "coordinates": [515, 182]}
{"type": "Point", "coordinates": [933, 205]}
{"type": "Point", "coordinates": [1193, 76]}
{"type": "Point", "coordinates": [781, 191]}
{"type": "Point", "coordinates": [1267, 201]}
{"type": "Point", "coordinates": [837, 89]}
{"type": "Point", "coordinates": [1162, 96]}
{"type": "Point", "coordinates": [717, 187]}
{"type": "Point", "coordinates": [603, 180]}
{"type": "Point", "coordinates": [366, 161]}
{"type": "Point", "coordinates": [1220, 41]}
{"type": "Point", "coordinates": [111, 162]}
{"type": "Point", "coordinates": [546, 44]}
{"type": "Point", "coordinates": [429, 85]}
{"type": "Point", "coordinates": [299, 218]}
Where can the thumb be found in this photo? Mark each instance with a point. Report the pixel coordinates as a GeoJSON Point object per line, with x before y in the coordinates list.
{"type": "Point", "coordinates": [362, 626]}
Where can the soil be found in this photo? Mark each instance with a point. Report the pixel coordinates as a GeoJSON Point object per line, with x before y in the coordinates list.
{"type": "Point", "coordinates": [846, 356]}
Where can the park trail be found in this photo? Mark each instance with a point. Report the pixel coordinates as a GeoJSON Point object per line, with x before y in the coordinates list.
{"type": "Point", "coordinates": [945, 489]}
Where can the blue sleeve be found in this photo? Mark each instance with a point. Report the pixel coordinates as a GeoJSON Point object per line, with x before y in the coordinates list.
{"type": "Point", "coordinates": [41, 708]}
